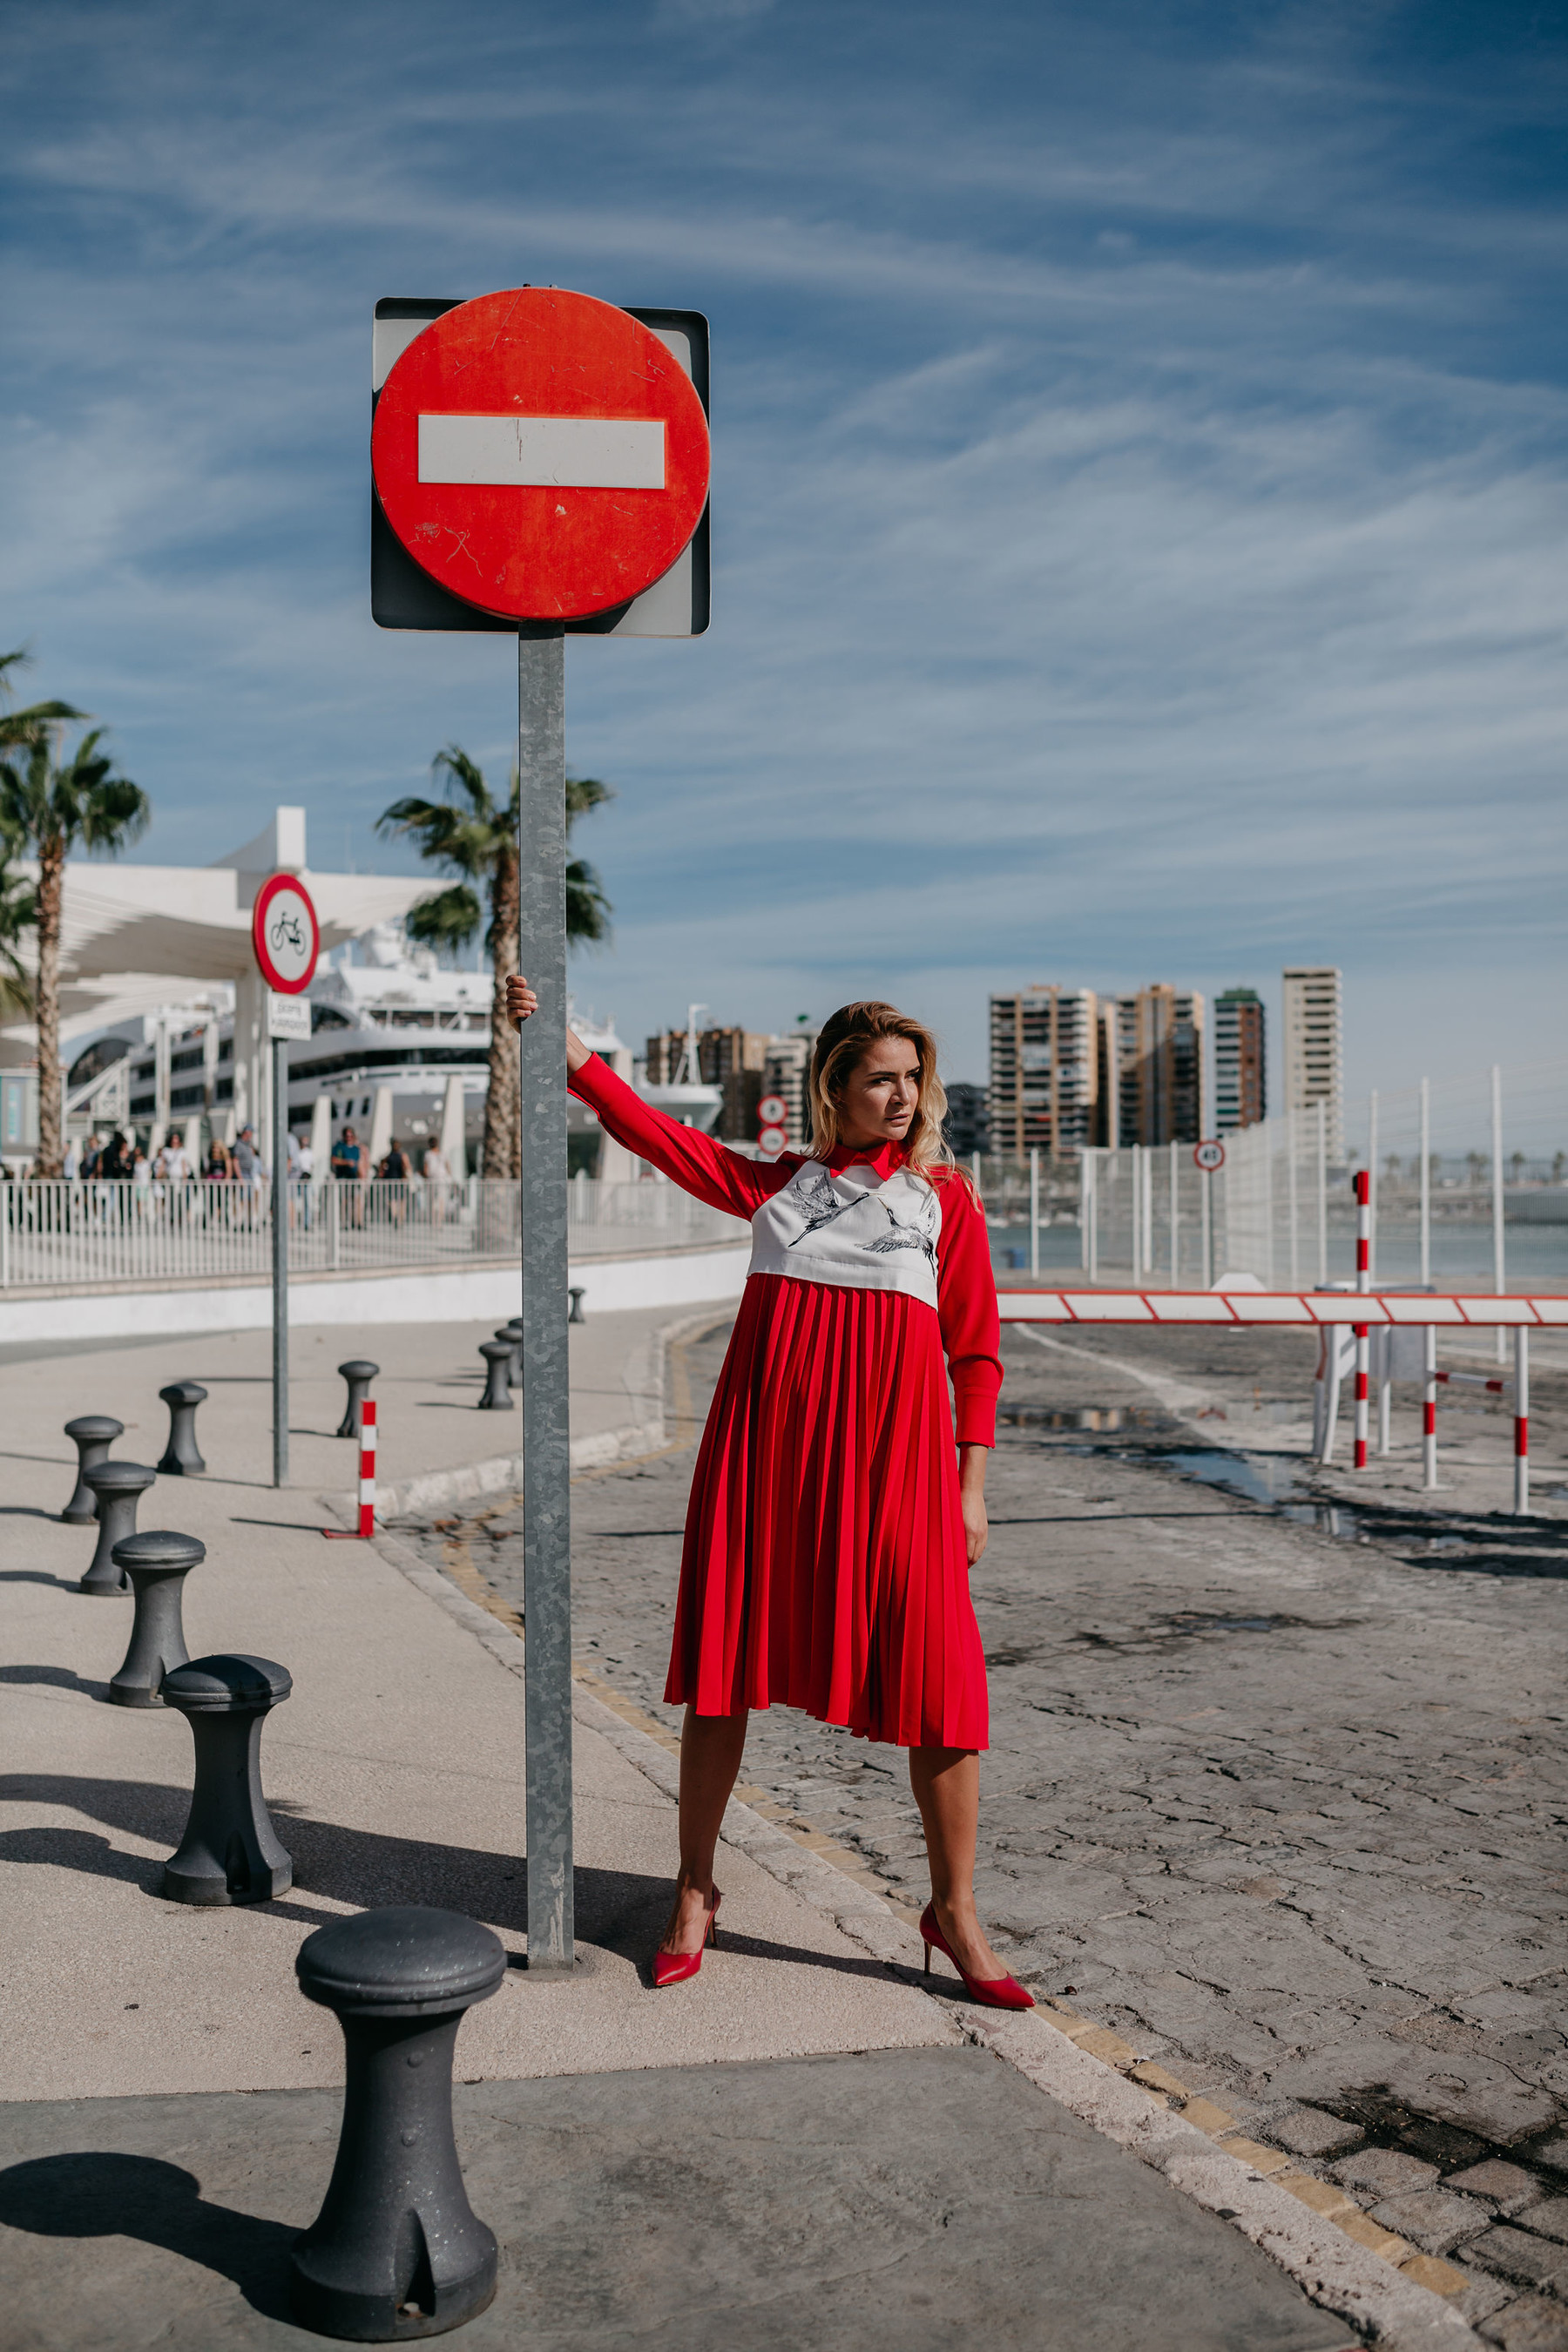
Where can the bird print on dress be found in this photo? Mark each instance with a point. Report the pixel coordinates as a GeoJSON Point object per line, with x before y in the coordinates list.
{"type": "Point", "coordinates": [902, 1237]}
{"type": "Point", "coordinates": [820, 1204]}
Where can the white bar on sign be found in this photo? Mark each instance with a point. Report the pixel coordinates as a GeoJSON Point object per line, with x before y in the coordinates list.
{"type": "Point", "coordinates": [568, 453]}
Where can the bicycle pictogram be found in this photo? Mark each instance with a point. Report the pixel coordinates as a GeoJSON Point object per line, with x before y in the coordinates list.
{"type": "Point", "coordinates": [288, 931]}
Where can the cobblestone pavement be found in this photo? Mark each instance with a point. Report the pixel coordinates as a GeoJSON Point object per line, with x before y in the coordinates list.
{"type": "Point", "coordinates": [1278, 1799]}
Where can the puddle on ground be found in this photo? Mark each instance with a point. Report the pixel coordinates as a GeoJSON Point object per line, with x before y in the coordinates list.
{"type": "Point", "coordinates": [1102, 1417]}
{"type": "Point", "coordinates": [1266, 1478]}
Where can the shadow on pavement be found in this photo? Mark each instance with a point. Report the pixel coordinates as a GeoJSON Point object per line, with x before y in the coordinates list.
{"type": "Point", "coordinates": [56, 1677]}
{"type": "Point", "coordinates": [91, 2193]}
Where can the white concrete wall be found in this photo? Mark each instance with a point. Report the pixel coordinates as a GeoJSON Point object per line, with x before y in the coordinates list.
{"type": "Point", "coordinates": [425, 1295]}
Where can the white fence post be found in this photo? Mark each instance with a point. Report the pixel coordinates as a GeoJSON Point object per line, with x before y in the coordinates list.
{"type": "Point", "coordinates": [1034, 1212]}
{"type": "Point", "coordinates": [1426, 1180]}
{"type": "Point", "coordinates": [1430, 1413]}
{"type": "Point", "coordinates": [1521, 1422]}
{"type": "Point", "coordinates": [1322, 1192]}
{"type": "Point", "coordinates": [1175, 1217]}
{"type": "Point", "coordinates": [1500, 1281]}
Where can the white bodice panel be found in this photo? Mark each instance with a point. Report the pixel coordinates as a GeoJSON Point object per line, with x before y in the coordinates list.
{"type": "Point", "coordinates": [852, 1227]}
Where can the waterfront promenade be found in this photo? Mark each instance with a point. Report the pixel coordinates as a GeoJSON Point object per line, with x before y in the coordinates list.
{"type": "Point", "coordinates": [802, 2145]}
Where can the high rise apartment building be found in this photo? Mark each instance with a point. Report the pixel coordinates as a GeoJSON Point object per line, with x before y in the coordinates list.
{"type": "Point", "coordinates": [1314, 1048]}
{"type": "Point", "coordinates": [786, 1072]}
{"type": "Point", "coordinates": [1045, 1070]}
{"type": "Point", "coordinates": [1155, 1045]}
{"type": "Point", "coordinates": [1240, 1075]}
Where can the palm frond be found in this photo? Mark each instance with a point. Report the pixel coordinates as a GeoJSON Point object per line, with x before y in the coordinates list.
{"type": "Point", "coordinates": [446, 921]}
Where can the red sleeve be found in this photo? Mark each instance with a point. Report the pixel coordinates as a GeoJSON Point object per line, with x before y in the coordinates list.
{"type": "Point", "coordinates": [723, 1178]}
{"type": "Point", "coordinates": [966, 1309]}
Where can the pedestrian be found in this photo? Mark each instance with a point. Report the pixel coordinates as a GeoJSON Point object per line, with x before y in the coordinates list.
{"type": "Point", "coordinates": [175, 1159]}
{"type": "Point", "coordinates": [347, 1164]}
{"type": "Point", "coordinates": [142, 1181]}
{"type": "Point", "coordinates": [217, 1169]}
{"type": "Point", "coordinates": [302, 1173]}
{"type": "Point", "coordinates": [247, 1161]}
{"type": "Point", "coordinates": [72, 1164]}
{"type": "Point", "coordinates": [90, 1152]}
{"type": "Point", "coordinates": [834, 1516]}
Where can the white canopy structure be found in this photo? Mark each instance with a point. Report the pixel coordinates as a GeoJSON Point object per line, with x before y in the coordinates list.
{"type": "Point", "coordinates": [135, 938]}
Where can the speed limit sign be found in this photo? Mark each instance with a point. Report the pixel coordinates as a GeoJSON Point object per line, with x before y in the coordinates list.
{"type": "Point", "coordinates": [772, 1111]}
{"type": "Point", "coordinates": [1208, 1156]}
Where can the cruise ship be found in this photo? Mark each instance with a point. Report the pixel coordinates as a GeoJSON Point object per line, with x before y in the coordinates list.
{"type": "Point", "coordinates": [389, 1035]}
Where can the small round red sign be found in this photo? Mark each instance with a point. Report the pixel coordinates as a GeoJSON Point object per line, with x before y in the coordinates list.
{"type": "Point", "coordinates": [285, 934]}
{"type": "Point", "coordinates": [541, 454]}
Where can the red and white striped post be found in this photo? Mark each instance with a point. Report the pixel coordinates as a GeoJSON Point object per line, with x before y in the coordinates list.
{"type": "Point", "coordinates": [1363, 1284]}
{"type": "Point", "coordinates": [1521, 1422]}
{"type": "Point", "coordinates": [367, 1467]}
{"type": "Point", "coordinates": [1430, 1413]}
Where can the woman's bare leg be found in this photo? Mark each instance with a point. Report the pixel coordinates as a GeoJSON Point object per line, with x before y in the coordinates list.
{"type": "Point", "coordinates": [946, 1783]}
{"type": "Point", "coordinates": [711, 1747]}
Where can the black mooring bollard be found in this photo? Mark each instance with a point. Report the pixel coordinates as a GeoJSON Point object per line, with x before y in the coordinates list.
{"type": "Point", "coordinates": [497, 1397]}
{"type": "Point", "coordinates": [93, 1435]}
{"type": "Point", "coordinates": [512, 1334]}
{"type": "Point", "coordinates": [118, 1485]}
{"type": "Point", "coordinates": [157, 1565]}
{"type": "Point", "coordinates": [396, 2250]}
{"type": "Point", "coordinates": [576, 1294]}
{"type": "Point", "coordinates": [229, 1852]}
{"type": "Point", "coordinates": [181, 1455]}
{"type": "Point", "coordinates": [359, 1372]}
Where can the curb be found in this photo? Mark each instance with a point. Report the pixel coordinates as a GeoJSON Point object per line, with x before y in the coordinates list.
{"type": "Point", "coordinates": [1343, 2277]}
{"type": "Point", "coordinates": [645, 1380]}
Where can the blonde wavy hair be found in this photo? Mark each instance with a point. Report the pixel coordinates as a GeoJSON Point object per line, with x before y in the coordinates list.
{"type": "Point", "coordinates": [844, 1038]}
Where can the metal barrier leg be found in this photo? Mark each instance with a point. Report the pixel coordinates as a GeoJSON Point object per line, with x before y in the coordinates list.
{"type": "Point", "coordinates": [1521, 1423]}
{"type": "Point", "coordinates": [1429, 1414]}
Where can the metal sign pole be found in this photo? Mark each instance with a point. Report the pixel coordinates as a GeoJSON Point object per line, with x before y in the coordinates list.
{"type": "Point", "coordinates": [280, 1261]}
{"type": "Point", "coordinates": [546, 1416]}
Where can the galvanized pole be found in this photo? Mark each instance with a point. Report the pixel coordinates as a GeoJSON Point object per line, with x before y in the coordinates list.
{"type": "Point", "coordinates": [546, 1416]}
{"type": "Point", "coordinates": [280, 1261]}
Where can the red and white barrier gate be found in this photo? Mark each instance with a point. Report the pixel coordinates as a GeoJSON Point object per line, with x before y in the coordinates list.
{"type": "Point", "coordinates": [1331, 1311]}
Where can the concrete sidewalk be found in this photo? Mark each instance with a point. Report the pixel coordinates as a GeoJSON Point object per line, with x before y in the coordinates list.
{"type": "Point", "coordinates": [798, 2147]}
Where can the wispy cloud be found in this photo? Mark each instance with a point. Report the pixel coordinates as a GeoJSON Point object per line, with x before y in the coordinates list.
{"type": "Point", "coordinates": [1139, 497]}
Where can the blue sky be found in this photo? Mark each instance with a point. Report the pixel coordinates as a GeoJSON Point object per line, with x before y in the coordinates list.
{"type": "Point", "coordinates": [1141, 480]}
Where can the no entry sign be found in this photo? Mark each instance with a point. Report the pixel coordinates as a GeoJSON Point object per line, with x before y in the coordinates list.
{"type": "Point", "coordinates": [541, 454]}
{"type": "Point", "coordinates": [285, 934]}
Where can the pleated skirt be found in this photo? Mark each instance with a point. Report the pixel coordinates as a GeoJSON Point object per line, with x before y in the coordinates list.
{"type": "Point", "coordinates": [825, 1564]}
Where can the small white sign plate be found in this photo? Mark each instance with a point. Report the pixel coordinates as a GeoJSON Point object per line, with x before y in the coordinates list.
{"type": "Point", "coordinates": [287, 1016]}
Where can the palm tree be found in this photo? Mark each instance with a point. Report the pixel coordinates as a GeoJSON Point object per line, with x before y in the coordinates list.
{"type": "Point", "coordinates": [19, 913]}
{"type": "Point", "coordinates": [17, 727]}
{"type": "Point", "coordinates": [472, 834]}
{"type": "Point", "coordinates": [50, 807]}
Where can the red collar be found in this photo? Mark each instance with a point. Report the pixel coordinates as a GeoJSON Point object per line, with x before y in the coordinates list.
{"type": "Point", "coordinates": [883, 1157]}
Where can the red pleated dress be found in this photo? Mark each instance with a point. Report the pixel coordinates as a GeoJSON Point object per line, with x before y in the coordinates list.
{"type": "Point", "coordinates": [825, 1564]}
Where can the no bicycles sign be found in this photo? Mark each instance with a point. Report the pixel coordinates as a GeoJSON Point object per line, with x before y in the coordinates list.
{"type": "Point", "coordinates": [285, 934]}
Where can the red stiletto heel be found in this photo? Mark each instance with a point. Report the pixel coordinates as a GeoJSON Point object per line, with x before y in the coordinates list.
{"type": "Point", "coordinates": [674, 1967]}
{"type": "Point", "coordinates": [991, 1993]}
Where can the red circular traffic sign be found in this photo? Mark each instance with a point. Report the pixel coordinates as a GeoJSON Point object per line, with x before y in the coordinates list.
{"type": "Point", "coordinates": [772, 1111]}
{"type": "Point", "coordinates": [541, 454]}
{"type": "Point", "coordinates": [1208, 1157]}
{"type": "Point", "coordinates": [285, 934]}
{"type": "Point", "coordinates": [771, 1141]}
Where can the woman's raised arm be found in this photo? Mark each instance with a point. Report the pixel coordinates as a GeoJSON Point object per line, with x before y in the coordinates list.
{"type": "Point", "coordinates": [724, 1180]}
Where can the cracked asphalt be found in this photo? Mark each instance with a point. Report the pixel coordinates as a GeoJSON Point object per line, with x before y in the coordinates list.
{"type": "Point", "coordinates": [1281, 1798]}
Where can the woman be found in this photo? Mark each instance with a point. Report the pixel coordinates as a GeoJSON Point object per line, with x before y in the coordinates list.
{"type": "Point", "coordinates": [832, 1526]}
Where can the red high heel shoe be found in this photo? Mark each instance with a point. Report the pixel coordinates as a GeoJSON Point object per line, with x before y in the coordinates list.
{"type": "Point", "coordinates": [991, 1993]}
{"type": "Point", "coordinates": [674, 1967]}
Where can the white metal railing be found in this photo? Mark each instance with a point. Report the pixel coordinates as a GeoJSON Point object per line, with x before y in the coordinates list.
{"type": "Point", "coordinates": [121, 1231]}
